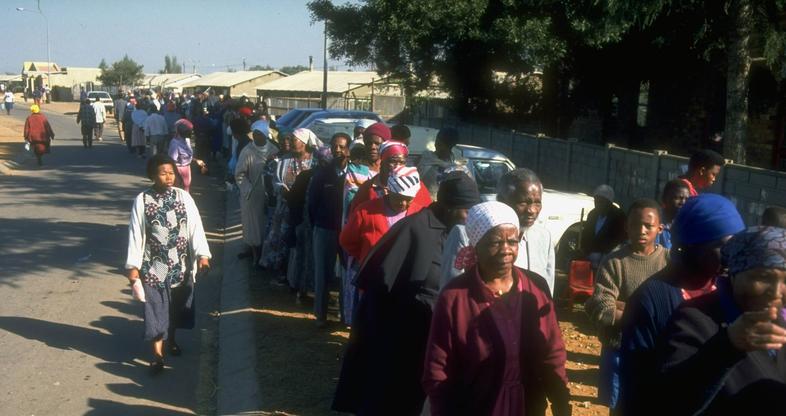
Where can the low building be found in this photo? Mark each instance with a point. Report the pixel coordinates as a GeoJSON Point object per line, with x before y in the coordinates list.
{"type": "Point", "coordinates": [346, 90]}
{"type": "Point", "coordinates": [167, 82]}
{"type": "Point", "coordinates": [234, 84]}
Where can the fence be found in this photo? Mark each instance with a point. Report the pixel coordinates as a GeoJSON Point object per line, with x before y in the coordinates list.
{"type": "Point", "coordinates": [572, 166]}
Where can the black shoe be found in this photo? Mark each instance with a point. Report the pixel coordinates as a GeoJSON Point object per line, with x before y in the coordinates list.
{"type": "Point", "coordinates": [156, 367]}
{"type": "Point", "coordinates": [174, 350]}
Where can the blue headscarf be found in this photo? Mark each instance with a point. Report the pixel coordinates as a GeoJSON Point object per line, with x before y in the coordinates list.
{"type": "Point", "coordinates": [756, 247]}
{"type": "Point", "coordinates": [705, 218]}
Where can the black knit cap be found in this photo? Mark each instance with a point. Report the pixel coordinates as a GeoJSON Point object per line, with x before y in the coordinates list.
{"type": "Point", "coordinates": [458, 190]}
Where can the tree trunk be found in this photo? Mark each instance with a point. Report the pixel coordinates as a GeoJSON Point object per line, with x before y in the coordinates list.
{"type": "Point", "coordinates": [738, 71]}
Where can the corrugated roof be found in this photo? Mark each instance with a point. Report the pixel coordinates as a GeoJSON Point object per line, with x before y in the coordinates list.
{"type": "Point", "coordinates": [10, 78]}
{"type": "Point", "coordinates": [227, 79]}
{"type": "Point", "coordinates": [311, 81]}
{"type": "Point", "coordinates": [166, 79]}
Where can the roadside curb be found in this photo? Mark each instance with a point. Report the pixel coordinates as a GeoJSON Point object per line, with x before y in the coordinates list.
{"type": "Point", "coordinates": [238, 383]}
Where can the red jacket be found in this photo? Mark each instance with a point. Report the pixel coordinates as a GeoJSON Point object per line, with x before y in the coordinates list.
{"type": "Point", "coordinates": [366, 225]}
{"type": "Point", "coordinates": [367, 192]}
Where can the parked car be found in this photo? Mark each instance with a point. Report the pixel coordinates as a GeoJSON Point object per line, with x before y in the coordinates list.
{"type": "Point", "coordinates": [293, 117]}
{"type": "Point", "coordinates": [326, 128]}
{"type": "Point", "coordinates": [562, 214]}
{"type": "Point", "coordinates": [104, 97]}
{"type": "Point", "coordinates": [334, 114]}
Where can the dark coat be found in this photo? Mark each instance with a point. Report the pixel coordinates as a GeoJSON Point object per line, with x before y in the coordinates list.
{"type": "Point", "coordinates": [383, 363]}
{"type": "Point", "coordinates": [703, 373]}
{"type": "Point", "coordinates": [611, 235]}
{"type": "Point", "coordinates": [326, 198]}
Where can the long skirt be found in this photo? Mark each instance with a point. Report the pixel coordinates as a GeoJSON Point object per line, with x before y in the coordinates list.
{"type": "Point", "coordinates": [185, 175]}
{"type": "Point", "coordinates": [300, 272]}
{"type": "Point", "coordinates": [349, 292]}
{"type": "Point", "coordinates": [274, 249]}
{"type": "Point", "coordinates": [168, 308]}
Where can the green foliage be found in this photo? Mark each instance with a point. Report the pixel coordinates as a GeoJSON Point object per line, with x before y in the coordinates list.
{"type": "Point", "coordinates": [123, 72]}
{"type": "Point", "coordinates": [171, 66]}
{"type": "Point", "coordinates": [102, 65]}
{"type": "Point", "coordinates": [291, 70]}
{"type": "Point", "coordinates": [261, 68]}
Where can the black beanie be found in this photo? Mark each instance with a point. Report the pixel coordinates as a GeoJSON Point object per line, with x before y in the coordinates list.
{"type": "Point", "coordinates": [458, 190]}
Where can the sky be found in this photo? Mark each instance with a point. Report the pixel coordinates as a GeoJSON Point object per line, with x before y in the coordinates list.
{"type": "Point", "coordinates": [208, 35]}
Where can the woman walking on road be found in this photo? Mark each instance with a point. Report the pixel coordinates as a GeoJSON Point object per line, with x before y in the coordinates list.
{"type": "Point", "coordinates": [166, 248]}
{"type": "Point", "coordinates": [38, 133]}
{"type": "Point", "coordinates": [180, 150]}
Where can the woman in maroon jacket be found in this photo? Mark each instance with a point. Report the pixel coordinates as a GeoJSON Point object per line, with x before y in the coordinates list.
{"type": "Point", "coordinates": [38, 132]}
{"type": "Point", "coordinates": [495, 347]}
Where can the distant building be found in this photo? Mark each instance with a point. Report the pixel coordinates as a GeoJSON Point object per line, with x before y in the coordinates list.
{"type": "Point", "coordinates": [167, 82]}
{"type": "Point", "coordinates": [66, 83]}
{"type": "Point", "coordinates": [234, 84]}
{"type": "Point", "coordinates": [346, 90]}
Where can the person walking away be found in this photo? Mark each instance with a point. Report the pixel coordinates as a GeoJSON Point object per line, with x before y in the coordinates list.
{"type": "Point", "coordinates": [8, 101]}
{"type": "Point", "coordinates": [249, 178]}
{"type": "Point", "coordinates": [138, 117]}
{"type": "Point", "coordinates": [724, 352]}
{"type": "Point", "coordinates": [433, 165]}
{"type": "Point", "coordinates": [171, 115]}
{"type": "Point", "coordinates": [181, 152]}
{"type": "Point", "coordinates": [100, 111]}
{"type": "Point", "coordinates": [703, 169]}
{"type": "Point", "coordinates": [675, 194]}
{"type": "Point", "coordinates": [276, 253]}
{"type": "Point", "coordinates": [119, 112]}
{"type": "Point", "coordinates": [325, 200]}
{"type": "Point", "coordinates": [489, 324]}
{"type": "Point", "coordinates": [38, 133]}
{"type": "Point", "coordinates": [372, 219]}
{"type": "Point", "coordinates": [128, 123]}
{"type": "Point", "coordinates": [604, 229]}
{"type": "Point", "coordinates": [37, 96]}
{"type": "Point", "coordinates": [774, 217]}
{"type": "Point", "coordinates": [383, 363]}
{"type": "Point", "coordinates": [522, 190]}
{"type": "Point", "coordinates": [167, 249]}
{"type": "Point", "coordinates": [702, 227]}
{"type": "Point", "coordinates": [156, 132]}
{"type": "Point", "coordinates": [619, 275]}
{"type": "Point", "coordinates": [87, 117]}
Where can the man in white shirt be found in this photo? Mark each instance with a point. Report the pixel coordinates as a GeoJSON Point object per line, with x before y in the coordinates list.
{"type": "Point", "coordinates": [100, 110]}
{"type": "Point", "coordinates": [156, 132]}
{"type": "Point", "coordinates": [522, 190]}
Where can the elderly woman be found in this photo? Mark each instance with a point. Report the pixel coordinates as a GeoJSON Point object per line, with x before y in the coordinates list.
{"type": "Point", "coordinates": [38, 133]}
{"type": "Point", "coordinates": [724, 352]}
{"type": "Point", "coordinates": [166, 248]}
{"type": "Point", "coordinates": [495, 347]}
{"type": "Point", "coordinates": [301, 144]}
{"type": "Point", "coordinates": [181, 152]}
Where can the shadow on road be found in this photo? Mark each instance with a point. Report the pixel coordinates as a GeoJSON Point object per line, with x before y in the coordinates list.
{"type": "Point", "coordinates": [108, 407]}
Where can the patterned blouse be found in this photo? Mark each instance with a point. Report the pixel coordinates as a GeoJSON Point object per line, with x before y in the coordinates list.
{"type": "Point", "coordinates": [165, 260]}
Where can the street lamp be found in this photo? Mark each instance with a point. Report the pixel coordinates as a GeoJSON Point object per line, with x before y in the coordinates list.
{"type": "Point", "coordinates": [48, 58]}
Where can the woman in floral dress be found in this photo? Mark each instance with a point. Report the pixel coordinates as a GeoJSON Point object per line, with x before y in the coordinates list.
{"type": "Point", "coordinates": [166, 248]}
{"type": "Point", "coordinates": [275, 252]}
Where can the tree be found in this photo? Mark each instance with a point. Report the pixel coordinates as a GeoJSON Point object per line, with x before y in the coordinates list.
{"type": "Point", "coordinates": [291, 70]}
{"type": "Point", "coordinates": [261, 68]}
{"type": "Point", "coordinates": [171, 66]}
{"type": "Point", "coordinates": [123, 72]}
{"type": "Point", "coordinates": [102, 65]}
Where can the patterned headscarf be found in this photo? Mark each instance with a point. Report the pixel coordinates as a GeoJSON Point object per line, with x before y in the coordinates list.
{"type": "Point", "coordinates": [392, 148]}
{"type": "Point", "coordinates": [404, 180]}
{"type": "Point", "coordinates": [481, 219]}
{"type": "Point", "coordinates": [306, 136]}
{"type": "Point", "coordinates": [756, 247]}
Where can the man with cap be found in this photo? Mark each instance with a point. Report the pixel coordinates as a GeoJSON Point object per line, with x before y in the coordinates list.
{"type": "Point", "coordinates": [361, 126]}
{"type": "Point", "coordinates": [604, 229]}
{"type": "Point", "coordinates": [702, 227]}
{"type": "Point", "coordinates": [325, 202]}
{"type": "Point", "coordinates": [392, 154]}
{"type": "Point", "coordinates": [373, 137]}
{"type": "Point", "coordinates": [432, 165]}
{"type": "Point", "coordinates": [383, 364]}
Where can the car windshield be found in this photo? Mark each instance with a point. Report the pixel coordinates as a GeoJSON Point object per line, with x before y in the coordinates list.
{"type": "Point", "coordinates": [98, 94]}
{"type": "Point", "coordinates": [288, 118]}
{"type": "Point", "coordinates": [487, 174]}
{"type": "Point", "coordinates": [311, 118]}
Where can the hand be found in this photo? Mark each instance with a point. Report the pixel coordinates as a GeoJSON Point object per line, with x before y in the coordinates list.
{"type": "Point", "coordinates": [204, 265]}
{"type": "Point", "coordinates": [138, 291]}
{"type": "Point", "coordinates": [755, 331]}
{"type": "Point", "coordinates": [133, 275]}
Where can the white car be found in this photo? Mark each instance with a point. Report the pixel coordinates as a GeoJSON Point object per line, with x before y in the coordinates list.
{"type": "Point", "coordinates": [562, 212]}
{"type": "Point", "coordinates": [104, 97]}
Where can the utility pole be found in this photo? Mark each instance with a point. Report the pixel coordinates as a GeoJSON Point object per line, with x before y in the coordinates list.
{"type": "Point", "coordinates": [324, 70]}
{"type": "Point", "coordinates": [244, 63]}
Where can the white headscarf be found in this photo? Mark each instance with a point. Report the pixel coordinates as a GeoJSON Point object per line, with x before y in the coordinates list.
{"type": "Point", "coordinates": [306, 136]}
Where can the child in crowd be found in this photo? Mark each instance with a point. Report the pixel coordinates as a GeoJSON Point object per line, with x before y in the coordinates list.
{"type": "Point", "coordinates": [619, 274]}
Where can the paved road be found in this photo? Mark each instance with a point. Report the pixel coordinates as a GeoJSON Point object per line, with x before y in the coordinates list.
{"type": "Point", "coordinates": [70, 335]}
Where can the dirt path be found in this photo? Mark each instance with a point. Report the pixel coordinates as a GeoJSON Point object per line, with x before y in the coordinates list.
{"type": "Point", "coordinates": [298, 364]}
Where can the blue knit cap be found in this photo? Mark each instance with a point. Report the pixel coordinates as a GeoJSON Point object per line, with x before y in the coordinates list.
{"type": "Point", "coordinates": [705, 218]}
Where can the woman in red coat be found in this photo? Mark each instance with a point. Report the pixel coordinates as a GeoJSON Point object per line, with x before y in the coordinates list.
{"type": "Point", "coordinates": [495, 348]}
{"type": "Point", "coordinates": [392, 155]}
{"type": "Point", "coordinates": [38, 132]}
{"type": "Point", "coordinates": [372, 219]}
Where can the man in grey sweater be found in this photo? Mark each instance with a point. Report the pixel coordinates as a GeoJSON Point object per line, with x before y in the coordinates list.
{"type": "Point", "coordinates": [619, 274]}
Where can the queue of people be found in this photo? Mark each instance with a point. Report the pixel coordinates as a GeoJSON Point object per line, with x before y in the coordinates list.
{"type": "Point", "coordinates": [450, 300]}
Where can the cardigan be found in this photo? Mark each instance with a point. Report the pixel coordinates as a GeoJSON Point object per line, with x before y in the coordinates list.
{"type": "Point", "coordinates": [366, 225]}
{"type": "Point", "coordinates": [197, 243]}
